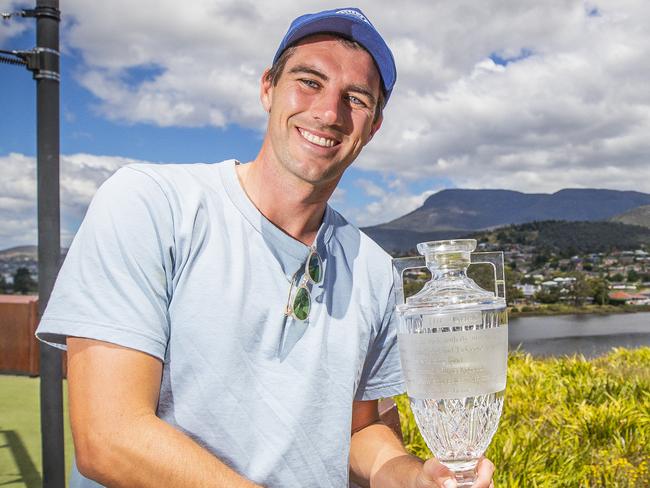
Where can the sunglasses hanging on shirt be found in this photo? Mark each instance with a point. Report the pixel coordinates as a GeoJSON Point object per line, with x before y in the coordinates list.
{"type": "Point", "coordinates": [299, 301]}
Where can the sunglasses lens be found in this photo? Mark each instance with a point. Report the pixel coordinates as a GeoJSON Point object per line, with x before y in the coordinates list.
{"type": "Point", "coordinates": [302, 303]}
{"type": "Point", "coordinates": [315, 267]}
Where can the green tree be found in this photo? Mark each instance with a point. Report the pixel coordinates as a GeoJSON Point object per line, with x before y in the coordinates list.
{"type": "Point", "coordinates": [580, 290]}
{"type": "Point", "coordinates": [23, 281]}
{"type": "Point", "coordinates": [4, 286]}
{"type": "Point", "coordinates": [527, 280]}
{"type": "Point", "coordinates": [617, 277]}
{"type": "Point", "coordinates": [540, 260]}
{"type": "Point", "coordinates": [600, 291]}
{"type": "Point", "coordinates": [548, 295]}
{"type": "Point", "coordinates": [633, 276]}
{"type": "Point", "coordinates": [512, 292]}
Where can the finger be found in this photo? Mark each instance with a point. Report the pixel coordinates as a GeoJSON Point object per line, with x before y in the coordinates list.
{"type": "Point", "coordinates": [436, 474]}
{"type": "Point", "coordinates": [484, 471]}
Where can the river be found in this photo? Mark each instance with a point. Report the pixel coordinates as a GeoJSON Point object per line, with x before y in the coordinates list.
{"type": "Point", "coordinates": [590, 335]}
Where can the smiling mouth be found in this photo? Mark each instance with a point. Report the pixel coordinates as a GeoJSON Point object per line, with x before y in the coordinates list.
{"type": "Point", "coordinates": [319, 141]}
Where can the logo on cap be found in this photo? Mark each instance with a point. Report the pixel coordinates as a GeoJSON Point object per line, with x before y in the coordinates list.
{"type": "Point", "coordinates": [354, 13]}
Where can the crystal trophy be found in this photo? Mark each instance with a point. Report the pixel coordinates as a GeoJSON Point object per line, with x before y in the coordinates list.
{"type": "Point", "coordinates": [453, 343]}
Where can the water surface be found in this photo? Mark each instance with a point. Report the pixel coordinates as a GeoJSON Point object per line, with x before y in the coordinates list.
{"type": "Point", "coordinates": [588, 334]}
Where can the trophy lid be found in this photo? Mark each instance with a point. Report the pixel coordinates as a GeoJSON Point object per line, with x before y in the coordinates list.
{"type": "Point", "coordinates": [450, 289]}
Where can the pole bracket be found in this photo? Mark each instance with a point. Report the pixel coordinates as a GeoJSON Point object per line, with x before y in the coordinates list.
{"type": "Point", "coordinates": [41, 61]}
{"type": "Point", "coordinates": [40, 12]}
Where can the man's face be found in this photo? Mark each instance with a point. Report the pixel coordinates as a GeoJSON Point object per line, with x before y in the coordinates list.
{"type": "Point", "coordinates": [322, 108]}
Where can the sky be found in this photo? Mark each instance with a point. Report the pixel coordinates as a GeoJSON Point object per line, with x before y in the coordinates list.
{"type": "Point", "coordinates": [527, 96]}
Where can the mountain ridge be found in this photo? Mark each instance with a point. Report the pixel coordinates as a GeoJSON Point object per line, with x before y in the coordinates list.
{"type": "Point", "coordinates": [454, 212]}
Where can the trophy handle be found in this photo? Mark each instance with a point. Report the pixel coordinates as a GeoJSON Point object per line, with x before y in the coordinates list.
{"type": "Point", "coordinates": [399, 266]}
{"type": "Point", "coordinates": [495, 259]}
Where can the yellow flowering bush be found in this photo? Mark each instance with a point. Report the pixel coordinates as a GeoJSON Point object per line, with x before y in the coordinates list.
{"type": "Point", "coordinates": [568, 422]}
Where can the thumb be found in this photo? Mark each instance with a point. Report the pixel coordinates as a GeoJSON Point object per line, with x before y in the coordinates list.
{"type": "Point", "coordinates": [435, 474]}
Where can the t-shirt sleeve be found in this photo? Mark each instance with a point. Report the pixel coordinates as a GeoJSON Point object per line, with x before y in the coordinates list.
{"type": "Point", "coordinates": [115, 283]}
{"type": "Point", "coordinates": [382, 374]}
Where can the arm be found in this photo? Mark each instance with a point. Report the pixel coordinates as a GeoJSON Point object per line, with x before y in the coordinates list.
{"type": "Point", "coordinates": [119, 441]}
{"type": "Point", "coordinates": [378, 459]}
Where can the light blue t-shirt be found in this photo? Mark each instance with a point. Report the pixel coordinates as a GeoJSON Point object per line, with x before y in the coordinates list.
{"type": "Point", "coordinates": [176, 261]}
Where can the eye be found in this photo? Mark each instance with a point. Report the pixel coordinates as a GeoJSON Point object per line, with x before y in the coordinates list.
{"type": "Point", "coordinates": [357, 101]}
{"type": "Point", "coordinates": [309, 83]}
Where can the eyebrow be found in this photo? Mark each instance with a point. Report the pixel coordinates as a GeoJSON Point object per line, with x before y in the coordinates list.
{"type": "Point", "coordinates": [303, 68]}
{"type": "Point", "coordinates": [364, 91]}
{"type": "Point", "coordinates": [361, 89]}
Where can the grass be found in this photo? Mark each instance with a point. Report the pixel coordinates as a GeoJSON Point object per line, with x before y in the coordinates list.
{"type": "Point", "coordinates": [568, 422]}
{"type": "Point", "coordinates": [20, 434]}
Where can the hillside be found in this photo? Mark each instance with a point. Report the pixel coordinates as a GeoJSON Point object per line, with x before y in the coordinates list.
{"type": "Point", "coordinates": [453, 213]}
{"type": "Point", "coordinates": [24, 252]}
{"type": "Point", "coordinates": [570, 238]}
{"type": "Point", "coordinates": [636, 216]}
{"type": "Point", "coordinates": [30, 252]}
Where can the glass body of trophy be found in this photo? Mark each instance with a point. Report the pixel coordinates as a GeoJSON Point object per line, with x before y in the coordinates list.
{"type": "Point", "coordinates": [453, 342]}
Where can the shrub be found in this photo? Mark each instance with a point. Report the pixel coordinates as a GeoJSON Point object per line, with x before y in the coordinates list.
{"type": "Point", "coordinates": [568, 422]}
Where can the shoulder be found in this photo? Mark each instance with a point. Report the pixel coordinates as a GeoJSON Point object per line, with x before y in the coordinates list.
{"type": "Point", "coordinates": [370, 265]}
{"type": "Point", "coordinates": [180, 177]}
{"type": "Point", "coordinates": [356, 241]}
{"type": "Point", "coordinates": [175, 183]}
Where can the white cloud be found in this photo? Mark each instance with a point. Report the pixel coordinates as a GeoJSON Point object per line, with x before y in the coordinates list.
{"type": "Point", "coordinates": [338, 196]}
{"type": "Point", "coordinates": [574, 111]}
{"type": "Point", "coordinates": [13, 26]}
{"type": "Point", "coordinates": [81, 175]}
{"type": "Point", "coordinates": [387, 204]}
{"type": "Point", "coordinates": [576, 104]}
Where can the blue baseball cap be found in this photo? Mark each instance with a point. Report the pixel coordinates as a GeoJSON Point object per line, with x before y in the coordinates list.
{"type": "Point", "coordinates": [352, 24]}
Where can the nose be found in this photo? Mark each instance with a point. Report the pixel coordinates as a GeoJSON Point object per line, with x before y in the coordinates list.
{"type": "Point", "coordinates": [328, 107]}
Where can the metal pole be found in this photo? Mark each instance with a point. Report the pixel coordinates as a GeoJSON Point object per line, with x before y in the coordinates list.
{"type": "Point", "coordinates": [49, 235]}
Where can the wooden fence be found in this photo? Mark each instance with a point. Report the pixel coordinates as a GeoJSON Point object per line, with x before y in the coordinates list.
{"type": "Point", "coordinates": [18, 346]}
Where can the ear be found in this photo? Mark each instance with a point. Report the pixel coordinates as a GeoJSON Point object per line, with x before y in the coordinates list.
{"type": "Point", "coordinates": [375, 127]}
{"type": "Point", "coordinates": [266, 91]}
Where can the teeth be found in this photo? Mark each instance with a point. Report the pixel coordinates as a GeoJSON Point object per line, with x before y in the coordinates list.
{"type": "Point", "coordinates": [320, 141]}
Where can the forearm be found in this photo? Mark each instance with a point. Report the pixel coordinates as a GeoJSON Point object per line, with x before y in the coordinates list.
{"type": "Point", "coordinates": [378, 459]}
{"type": "Point", "coordinates": [147, 452]}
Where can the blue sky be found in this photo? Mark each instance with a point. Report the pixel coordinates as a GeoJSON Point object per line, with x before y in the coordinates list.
{"type": "Point", "coordinates": [498, 95]}
{"type": "Point", "coordinates": [83, 129]}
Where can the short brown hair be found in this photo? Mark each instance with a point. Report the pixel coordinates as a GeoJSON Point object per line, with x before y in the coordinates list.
{"type": "Point", "coordinates": [274, 73]}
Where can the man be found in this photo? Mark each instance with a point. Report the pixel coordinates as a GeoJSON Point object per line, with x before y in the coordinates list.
{"type": "Point", "coordinates": [224, 326]}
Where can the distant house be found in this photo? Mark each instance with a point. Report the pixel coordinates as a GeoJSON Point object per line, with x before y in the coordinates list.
{"type": "Point", "coordinates": [629, 298]}
{"type": "Point", "coordinates": [528, 290]}
{"type": "Point", "coordinates": [549, 284]}
{"type": "Point", "coordinates": [622, 286]}
{"type": "Point", "coordinates": [564, 280]}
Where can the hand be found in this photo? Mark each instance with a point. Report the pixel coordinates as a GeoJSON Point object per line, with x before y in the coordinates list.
{"type": "Point", "coordinates": [436, 475]}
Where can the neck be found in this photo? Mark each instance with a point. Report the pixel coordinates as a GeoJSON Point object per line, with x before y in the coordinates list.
{"type": "Point", "coordinates": [291, 204]}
